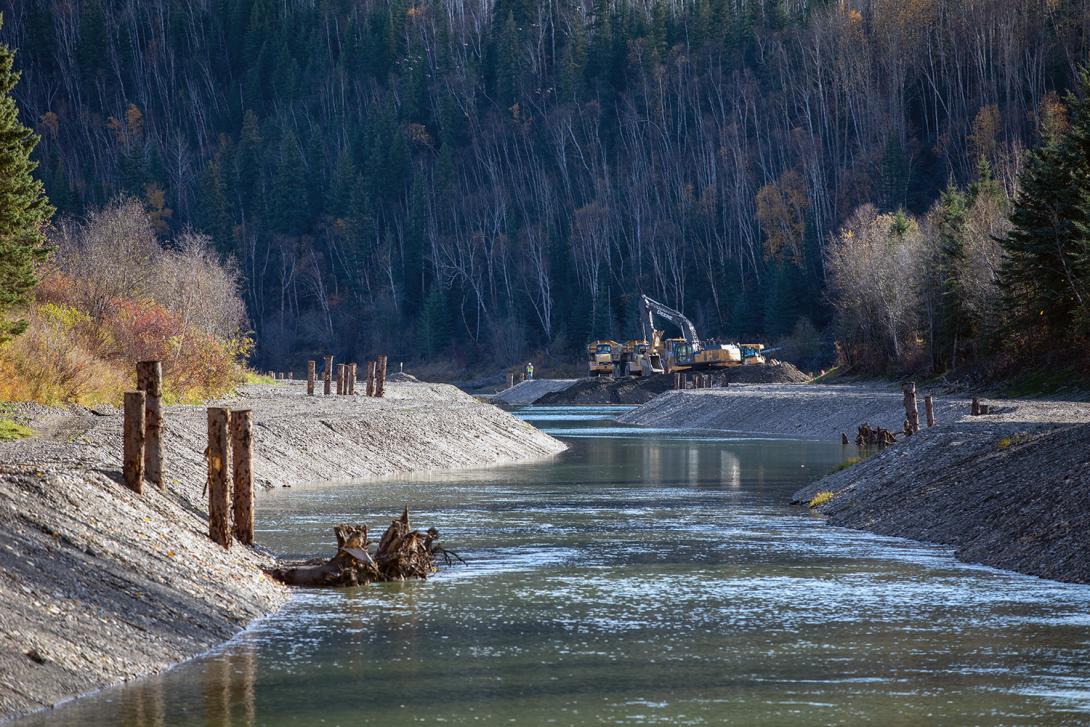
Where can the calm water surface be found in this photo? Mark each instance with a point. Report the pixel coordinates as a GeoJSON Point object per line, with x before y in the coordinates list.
{"type": "Point", "coordinates": [643, 577]}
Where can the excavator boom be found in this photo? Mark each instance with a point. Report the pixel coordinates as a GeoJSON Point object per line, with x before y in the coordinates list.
{"type": "Point", "coordinates": [651, 308]}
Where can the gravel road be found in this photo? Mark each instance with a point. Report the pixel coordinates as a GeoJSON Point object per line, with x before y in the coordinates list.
{"type": "Point", "coordinates": [99, 585]}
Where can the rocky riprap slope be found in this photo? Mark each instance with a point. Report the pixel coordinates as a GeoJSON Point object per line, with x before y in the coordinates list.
{"type": "Point", "coordinates": [1010, 490]}
{"type": "Point", "coordinates": [98, 584]}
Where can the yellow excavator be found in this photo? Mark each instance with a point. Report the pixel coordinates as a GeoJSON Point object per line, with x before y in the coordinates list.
{"type": "Point", "coordinates": [688, 353]}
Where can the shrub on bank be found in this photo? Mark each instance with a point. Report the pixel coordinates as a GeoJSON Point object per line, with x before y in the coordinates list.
{"type": "Point", "coordinates": [95, 314]}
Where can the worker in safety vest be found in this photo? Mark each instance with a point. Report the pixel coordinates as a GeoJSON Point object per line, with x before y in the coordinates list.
{"type": "Point", "coordinates": [529, 371]}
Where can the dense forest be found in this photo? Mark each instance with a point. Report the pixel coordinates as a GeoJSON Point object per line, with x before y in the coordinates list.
{"type": "Point", "coordinates": [485, 180]}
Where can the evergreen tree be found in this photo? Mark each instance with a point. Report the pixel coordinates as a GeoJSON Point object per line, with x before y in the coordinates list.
{"type": "Point", "coordinates": [289, 211]}
{"type": "Point", "coordinates": [954, 328]}
{"type": "Point", "coordinates": [24, 209]}
{"type": "Point", "coordinates": [213, 212]}
{"type": "Point", "coordinates": [1043, 269]}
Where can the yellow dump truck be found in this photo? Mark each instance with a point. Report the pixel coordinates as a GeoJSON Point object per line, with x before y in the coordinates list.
{"type": "Point", "coordinates": [602, 357]}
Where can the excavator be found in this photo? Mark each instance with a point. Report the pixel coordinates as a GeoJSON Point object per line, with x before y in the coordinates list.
{"type": "Point", "coordinates": [687, 353]}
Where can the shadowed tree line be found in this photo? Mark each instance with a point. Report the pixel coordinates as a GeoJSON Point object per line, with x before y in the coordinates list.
{"type": "Point", "coordinates": [482, 180]}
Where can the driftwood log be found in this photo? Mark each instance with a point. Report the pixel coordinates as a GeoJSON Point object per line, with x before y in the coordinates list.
{"type": "Point", "coordinates": [876, 437]}
{"type": "Point", "coordinates": [401, 553]}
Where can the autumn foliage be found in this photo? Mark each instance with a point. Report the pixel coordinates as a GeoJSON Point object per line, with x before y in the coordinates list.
{"type": "Point", "coordinates": [76, 352]}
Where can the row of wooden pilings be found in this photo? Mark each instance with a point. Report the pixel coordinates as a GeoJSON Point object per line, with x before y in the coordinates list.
{"type": "Point", "coordinates": [912, 414]}
{"type": "Point", "coordinates": [699, 381]}
{"type": "Point", "coordinates": [230, 438]}
{"type": "Point", "coordinates": [345, 377]}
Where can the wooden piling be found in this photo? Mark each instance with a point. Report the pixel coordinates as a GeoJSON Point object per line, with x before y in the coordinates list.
{"type": "Point", "coordinates": [912, 412]}
{"type": "Point", "coordinates": [310, 377]}
{"type": "Point", "coordinates": [149, 379]}
{"type": "Point", "coordinates": [929, 408]}
{"type": "Point", "coordinates": [510, 379]}
{"type": "Point", "coordinates": [340, 379]}
{"type": "Point", "coordinates": [677, 381]}
{"type": "Point", "coordinates": [218, 490]}
{"type": "Point", "coordinates": [380, 376]}
{"type": "Point", "coordinates": [242, 454]}
{"type": "Point", "coordinates": [133, 444]}
{"type": "Point", "coordinates": [327, 379]}
{"type": "Point", "coordinates": [351, 379]}
{"type": "Point", "coordinates": [370, 390]}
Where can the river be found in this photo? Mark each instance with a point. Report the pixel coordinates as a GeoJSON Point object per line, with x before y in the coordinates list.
{"type": "Point", "coordinates": [643, 577]}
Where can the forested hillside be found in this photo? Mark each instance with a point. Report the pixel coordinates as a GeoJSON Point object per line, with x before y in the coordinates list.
{"type": "Point", "coordinates": [485, 180]}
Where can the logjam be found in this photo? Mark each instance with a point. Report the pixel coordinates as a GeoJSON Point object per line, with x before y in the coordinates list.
{"type": "Point", "coordinates": [876, 437]}
{"type": "Point", "coordinates": [401, 553]}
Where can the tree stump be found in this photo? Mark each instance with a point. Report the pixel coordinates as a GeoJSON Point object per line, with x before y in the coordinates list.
{"type": "Point", "coordinates": [149, 379]}
{"type": "Point", "coordinates": [242, 454]}
{"type": "Point", "coordinates": [133, 445]}
{"type": "Point", "coordinates": [380, 377]}
{"type": "Point", "coordinates": [218, 491]}
{"type": "Point", "coordinates": [912, 412]}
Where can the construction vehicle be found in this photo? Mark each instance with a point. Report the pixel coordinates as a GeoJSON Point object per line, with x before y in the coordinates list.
{"type": "Point", "coordinates": [632, 353]}
{"type": "Point", "coordinates": [602, 356]}
{"type": "Point", "coordinates": [688, 353]}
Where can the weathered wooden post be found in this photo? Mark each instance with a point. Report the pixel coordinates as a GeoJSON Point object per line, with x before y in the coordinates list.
{"type": "Point", "coordinates": [974, 409]}
{"type": "Point", "coordinates": [291, 376]}
{"type": "Point", "coordinates": [929, 408]}
{"type": "Point", "coordinates": [370, 390]}
{"type": "Point", "coordinates": [340, 379]}
{"type": "Point", "coordinates": [133, 445]}
{"type": "Point", "coordinates": [149, 379]}
{"type": "Point", "coordinates": [242, 454]}
{"type": "Point", "coordinates": [912, 412]}
{"type": "Point", "coordinates": [510, 379]}
{"type": "Point", "coordinates": [218, 491]}
{"type": "Point", "coordinates": [310, 377]}
{"type": "Point", "coordinates": [328, 374]}
{"type": "Point", "coordinates": [677, 381]}
{"type": "Point", "coordinates": [380, 376]}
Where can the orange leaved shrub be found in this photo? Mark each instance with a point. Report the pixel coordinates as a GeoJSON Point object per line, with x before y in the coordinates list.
{"type": "Point", "coordinates": [102, 307]}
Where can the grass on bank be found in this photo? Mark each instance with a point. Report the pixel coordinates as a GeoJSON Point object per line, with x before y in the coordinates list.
{"type": "Point", "coordinates": [821, 498]}
{"type": "Point", "coordinates": [10, 431]}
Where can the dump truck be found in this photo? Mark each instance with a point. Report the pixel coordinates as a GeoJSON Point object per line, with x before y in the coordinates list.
{"type": "Point", "coordinates": [602, 357]}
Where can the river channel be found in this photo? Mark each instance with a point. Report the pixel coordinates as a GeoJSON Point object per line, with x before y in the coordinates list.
{"type": "Point", "coordinates": [642, 577]}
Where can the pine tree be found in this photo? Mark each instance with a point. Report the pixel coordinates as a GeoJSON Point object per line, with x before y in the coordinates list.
{"type": "Point", "coordinates": [1044, 249]}
{"type": "Point", "coordinates": [24, 209]}
{"type": "Point", "coordinates": [954, 328]}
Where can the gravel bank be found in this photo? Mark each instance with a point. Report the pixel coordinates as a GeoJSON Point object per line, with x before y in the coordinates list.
{"type": "Point", "coordinates": [1010, 490]}
{"type": "Point", "coordinates": [527, 392]}
{"type": "Point", "coordinates": [811, 411]}
{"type": "Point", "coordinates": [98, 585]}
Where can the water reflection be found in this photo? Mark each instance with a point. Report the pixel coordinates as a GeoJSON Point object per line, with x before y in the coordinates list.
{"type": "Point", "coordinates": [637, 579]}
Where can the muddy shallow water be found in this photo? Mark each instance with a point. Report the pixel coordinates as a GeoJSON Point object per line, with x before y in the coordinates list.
{"type": "Point", "coordinates": [642, 577]}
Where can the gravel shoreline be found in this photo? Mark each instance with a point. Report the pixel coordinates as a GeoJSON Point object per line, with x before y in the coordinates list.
{"type": "Point", "coordinates": [1010, 489]}
{"type": "Point", "coordinates": [99, 585]}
